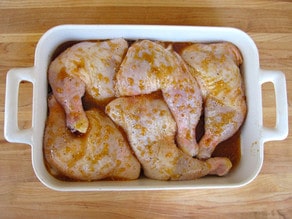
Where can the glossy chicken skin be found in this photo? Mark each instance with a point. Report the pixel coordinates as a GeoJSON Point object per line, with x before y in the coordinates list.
{"type": "Point", "coordinates": [100, 153]}
{"type": "Point", "coordinates": [147, 67]}
{"type": "Point", "coordinates": [85, 67]}
{"type": "Point", "coordinates": [151, 130]}
{"type": "Point", "coordinates": [216, 68]}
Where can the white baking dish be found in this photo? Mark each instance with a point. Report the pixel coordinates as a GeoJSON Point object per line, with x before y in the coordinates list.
{"type": "Point", "coordinates": [253, 135]}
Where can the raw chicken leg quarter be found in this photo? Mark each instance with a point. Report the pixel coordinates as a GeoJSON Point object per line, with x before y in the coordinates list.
{"type": "Point", "coordinates": [101, 153]}
{"type": "Point", "coordinates": [151, 129]}
{"type": "Point", "coordinates": [85, 67]}
{"type": "Point", "coordinates": [149, 67]}
{"type": "Point", "coordinates": [216, 68]}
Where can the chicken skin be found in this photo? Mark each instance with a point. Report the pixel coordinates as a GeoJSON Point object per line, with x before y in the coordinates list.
{"type": "Point", "coordinates": [101, 153]}
{"type": "Point", "coordinates": [149, 66]}
{"type": "Point", "coordinates": [85, 67]}
{"type": "Point", "coordinates": [216, 68]}
{"type": "Point", "coordinates": [151, 129]}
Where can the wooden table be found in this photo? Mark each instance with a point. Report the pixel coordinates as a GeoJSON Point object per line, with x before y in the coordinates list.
{"type": "Point", "coordinates": [22, 23]}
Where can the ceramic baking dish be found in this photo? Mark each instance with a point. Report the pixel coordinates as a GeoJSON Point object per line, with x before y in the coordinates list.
{"type": "Point", "coordinates": [253, 135]}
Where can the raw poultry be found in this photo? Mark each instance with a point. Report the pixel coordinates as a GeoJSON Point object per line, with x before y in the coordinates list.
{"type": "Point", "coordinates": [85, 67]}
{"type": "Point", "coordinates": [101, 153]}
{"type": "Point", "coordinates": [216, 68]}
{"type": "Point", "coordinates": [151, 129]}
{"type": "Point", "coordinates": [149, 66]}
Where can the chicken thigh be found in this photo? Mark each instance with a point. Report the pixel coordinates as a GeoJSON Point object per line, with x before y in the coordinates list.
{"type": "Point", "coordinates": [216, 68]}
{"type": "Point", "coordinates": [148, 67]}
{"type": "Point", "coordinates": [151, 130]}
{"type": "Point", "coordinates": [100, 153]}
{"type": "Point", "coordinates": [85, 67]}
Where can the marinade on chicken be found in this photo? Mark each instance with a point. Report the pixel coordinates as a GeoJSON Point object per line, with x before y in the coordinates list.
{"type": "Point", "coordinates": [85, 67]}
{"type": "Point", "coordinates": [216, 68]}
{"type": "Point", "coordinates": [101, 153]}
{"type": "Point", "coordinates": [151, 128]}
{"type": "Point", "coordinates": [147, 67]}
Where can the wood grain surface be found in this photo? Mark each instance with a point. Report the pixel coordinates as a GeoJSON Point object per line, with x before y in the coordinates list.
{"type": "Point", "coordinates": [268, 22]}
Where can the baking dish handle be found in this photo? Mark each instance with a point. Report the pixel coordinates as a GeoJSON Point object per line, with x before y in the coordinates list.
{"type": "Point", "coordinates": [280, 131]}
{"type": "Point", "coordinates": [12, 132]}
